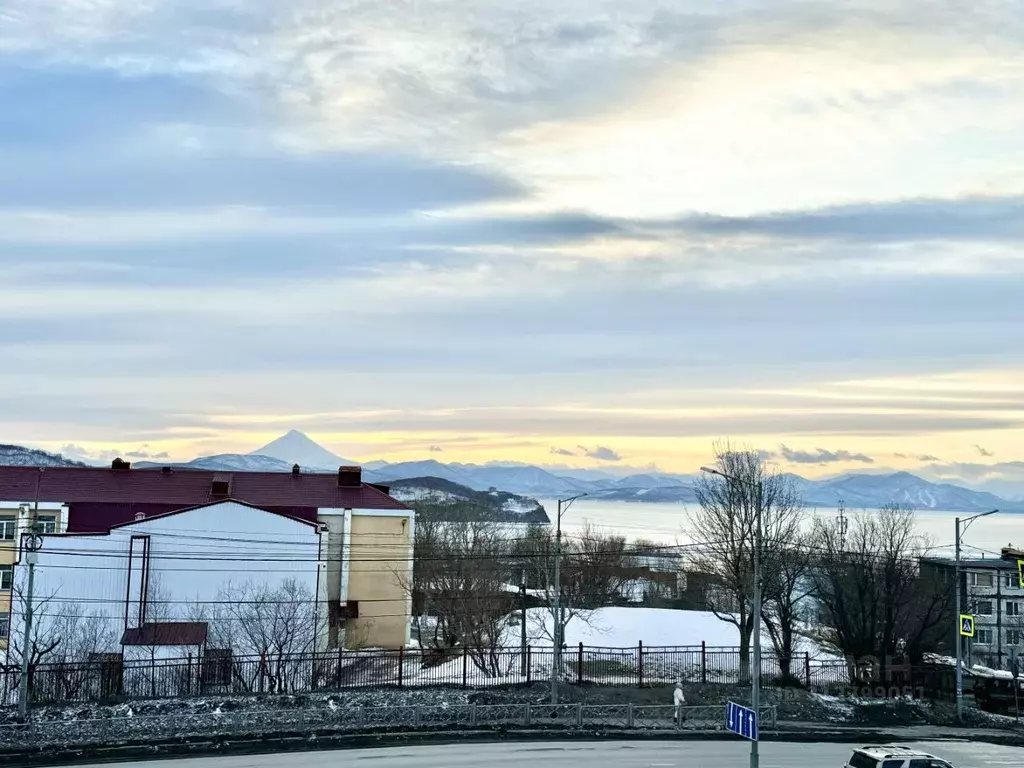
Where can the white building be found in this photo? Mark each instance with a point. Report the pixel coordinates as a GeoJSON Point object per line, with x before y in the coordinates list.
{"type": "Point", "coordinates": [226, 577]}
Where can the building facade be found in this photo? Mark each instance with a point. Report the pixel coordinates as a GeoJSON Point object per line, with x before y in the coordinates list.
{"type": "Point", "coordinates": [355, 539]}
{"type": "Point", "coordinates": [990, 591]}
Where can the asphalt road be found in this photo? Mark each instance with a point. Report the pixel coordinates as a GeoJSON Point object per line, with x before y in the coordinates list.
{"type": "Point", "coordinates": [610, 754]}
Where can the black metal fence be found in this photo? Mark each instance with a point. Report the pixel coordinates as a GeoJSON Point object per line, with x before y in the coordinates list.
{"type": "Point", "coordinates": [114, 679]}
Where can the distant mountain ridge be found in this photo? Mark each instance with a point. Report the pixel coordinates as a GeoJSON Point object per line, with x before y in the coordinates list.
{"type": "Point", "coordinates": [19, 456]}
{"type": "Point", "coordinates": [855, 490]}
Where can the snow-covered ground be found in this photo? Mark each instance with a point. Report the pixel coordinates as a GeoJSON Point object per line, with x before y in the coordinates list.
{"type": "Point", "coordinates": [626, 627]}
{"type": "Point", "coordinates": [611, 655]}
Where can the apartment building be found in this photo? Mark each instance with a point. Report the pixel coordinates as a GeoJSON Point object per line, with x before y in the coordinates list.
{"type": "Point", "coordinates": [357, 541]}
{"type": "Point", "coordinates": [990, 590]}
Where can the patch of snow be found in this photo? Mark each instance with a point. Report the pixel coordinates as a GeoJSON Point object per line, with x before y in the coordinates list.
{"type": "Point", "coordinates": [424, 494]}
{"type": "Point", "coordinates": [842, 707]}
{"type": "Point", "coordinates": [519, 506]}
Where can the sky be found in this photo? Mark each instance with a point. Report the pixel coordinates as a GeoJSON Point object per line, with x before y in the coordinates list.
{"type": "Point", "coordinates": [585, 233]}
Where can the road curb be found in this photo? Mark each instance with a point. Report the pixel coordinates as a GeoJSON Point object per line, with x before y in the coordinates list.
{"type": "Point", "coordinates": [224, 745]}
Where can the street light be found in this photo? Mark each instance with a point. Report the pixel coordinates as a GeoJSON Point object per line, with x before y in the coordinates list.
{"type": "Point", "coordinates": [755, 683]}
{"type": "Point", "coordinates": [960, 531]}
{"type": "Point", "coordinates": [556, 657]}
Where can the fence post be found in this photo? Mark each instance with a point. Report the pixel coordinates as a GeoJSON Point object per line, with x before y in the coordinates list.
{"type": "Point", "coordinates": [401, 666]}
{"type": "Point", "coordinates": [472, 715]}
{"type": "Point", "coordinates": [338, 673]}
{"type": "Point", "coordinates": [465, 668]}
{"type": "Point", "coordinates": [188, 676]}
{"type": "Point", "coordinates": [579, 666]}
{"type": "Point", "coordinates": [529, 715]}
{"type": "Point", "coordinates": [579, 715]}
{"type": "Point", "coordinates": [703, 662]}
{"type": "Point", "coordinates": [807, 668]}
{"type": "Point", "coordinates": [529, 666]}
{"type": "Point", "coordinates": [629, 715]}
{"type": "Point", "coordinates": [640, 664]}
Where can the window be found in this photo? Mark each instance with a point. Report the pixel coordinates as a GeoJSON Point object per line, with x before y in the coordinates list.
{"type": "Point", "coordinates": [1011, 581]}
{"type": "Point", "coordinates": [5, 624]}
{"type": "Point", "coordinates": [6, 576]}
{"type": "Point", "coordinates": [47, 523]}
{"type": "Point", "coordinates": [981, 580]}
{"type": "Point", "coordinates": [984, 608]}
{"type": "Point", "coordinates": [1013, 637]}
{"type": "Point", "coordinates": [860, 760]}
{"type": "Point", "coordinates": [983, 636]}
{"type": "Point", "coordinates": [1012, 608]}
{"type": "Point", "coordinates": [8, 525]}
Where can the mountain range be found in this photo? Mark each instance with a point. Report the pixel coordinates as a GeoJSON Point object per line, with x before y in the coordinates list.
{"type": "Point", "coordinates": [855, 490]}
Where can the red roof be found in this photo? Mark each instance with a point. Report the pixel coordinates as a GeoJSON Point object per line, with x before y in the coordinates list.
{"type": "Point", "coordinates": [101, 497]}
{"type": "Point", "coordinates": [167, 633]}
{"type": "Point", "coordinates": [187, 487]}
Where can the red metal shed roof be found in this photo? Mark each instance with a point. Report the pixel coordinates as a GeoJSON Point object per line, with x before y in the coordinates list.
{"type": "Point", "coordinates": [167, 633]}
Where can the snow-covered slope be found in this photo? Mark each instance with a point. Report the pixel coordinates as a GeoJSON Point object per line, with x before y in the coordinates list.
{"type": "Point", "coordinates": [18, 456]}
{"type": "Point", "coordinates": [227, 462]}
{"type": "Point", "coordinates": [428, 468]}
{"type": "Point", "coordinates": [297, 448]}
{"type": "Point", "coordinates": [901, 488]}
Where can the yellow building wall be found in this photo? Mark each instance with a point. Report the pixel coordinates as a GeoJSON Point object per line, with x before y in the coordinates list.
{"type": "Point", "coordinates": [7, 557]}
{"type": "Point", "coordinates": [378, 577]}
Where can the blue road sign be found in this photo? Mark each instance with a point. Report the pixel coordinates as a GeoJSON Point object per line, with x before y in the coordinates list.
{"type": "Point", "coordinates": [741, 720]}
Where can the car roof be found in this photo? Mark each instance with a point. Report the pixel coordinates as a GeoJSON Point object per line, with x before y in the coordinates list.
{"type": "Point", "coordinates": [882, 751]}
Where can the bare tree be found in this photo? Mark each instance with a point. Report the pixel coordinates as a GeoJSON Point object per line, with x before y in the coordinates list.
{"type": "Point", "coordinates": [64, 635]}
{"type": "Point", "coordinates": [724, 532]}
{"type": "Point", "coordinates": [787, 587]}
{"type": "Point", "coordinates": [277, 623]}
{"type": "Point", "coordinates": [871, 591]}
{"type": "Point", "coordinates": [460, 573]}
{"type": "Point", "coordinates": [46, 632]}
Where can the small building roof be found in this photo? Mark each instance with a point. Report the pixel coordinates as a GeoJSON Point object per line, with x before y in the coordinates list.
{"type": "Point", "coordinates": [167, 633]}
{"type": "Point", "coordinates": [974, 563]}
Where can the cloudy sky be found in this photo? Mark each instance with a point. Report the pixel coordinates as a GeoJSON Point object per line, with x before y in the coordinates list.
{"type": "Point", "coordinates": [591, 233]}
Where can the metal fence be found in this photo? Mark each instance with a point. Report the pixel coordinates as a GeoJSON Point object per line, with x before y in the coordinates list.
{"type": "Point", "coordinates": [114, 679]}
{"type": "Point", "coordinates": [126, 730]}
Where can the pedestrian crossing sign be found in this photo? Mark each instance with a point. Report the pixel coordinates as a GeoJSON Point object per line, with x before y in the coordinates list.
{"type": "Point", "coordinates": [966, 625]}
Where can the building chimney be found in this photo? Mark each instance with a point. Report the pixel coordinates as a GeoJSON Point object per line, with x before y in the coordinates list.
{"type": "Point", "coordinates": [120, 463]}
{"type": "Point", "coordinates": [296, 470]}
{"type": "Point", "coordinates": [221, 485]}
{"type": "Point", "coordinates": [350, 477]}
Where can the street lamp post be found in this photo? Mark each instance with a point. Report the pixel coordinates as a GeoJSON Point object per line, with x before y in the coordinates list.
{"type": "Point", "coordinates": [556, 655]}
{"type": "Point", "coordinates": [31, 542]}
{"type": "Point", "coordinates": [755, 683]}
{"type": "Point", "coordinates": [961, 529]}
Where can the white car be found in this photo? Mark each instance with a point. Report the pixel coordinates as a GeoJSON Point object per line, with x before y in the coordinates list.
{"type": "Point", "coordinates": [894, 756]}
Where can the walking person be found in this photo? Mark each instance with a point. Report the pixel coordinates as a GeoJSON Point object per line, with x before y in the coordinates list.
{"type": "Point", "coordinates": [679, 699]}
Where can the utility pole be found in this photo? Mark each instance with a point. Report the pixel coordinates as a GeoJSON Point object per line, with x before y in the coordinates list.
{"type": "Point", "coordinates": [556, 656]}
{"type": "Point", "coordinates": [31, 544]}
{"type": "Point", "coordinates": [842, 525]}
{"type": "Point", "coordinates": [960, 531]}
{"type": "Point", "coordinates": [755, 681]}
{"type": "Point", "coordinates": [755, 688]}
{"type": "Point", "coordinates": [522, 629]}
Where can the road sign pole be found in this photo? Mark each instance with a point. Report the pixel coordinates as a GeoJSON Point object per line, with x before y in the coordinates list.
{"type": "Point", "coordinates": [959, 637]}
